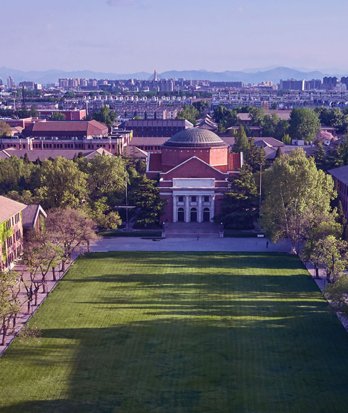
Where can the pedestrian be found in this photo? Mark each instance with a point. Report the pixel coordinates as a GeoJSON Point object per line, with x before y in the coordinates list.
{"type": "Point", "coordinates": [267, 244]}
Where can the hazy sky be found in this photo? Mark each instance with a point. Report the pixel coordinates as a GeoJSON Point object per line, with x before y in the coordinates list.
{"type": "Point", "coordinates": [123, 36]}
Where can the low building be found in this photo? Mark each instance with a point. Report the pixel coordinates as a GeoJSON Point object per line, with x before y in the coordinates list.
{"type": "Point", "coordinates": [156, 127]}
{"type": "Point", "coordinates": [33, 219]}
{"type": "Point", "coordinates": [66, 129]}
{"type": "Point", "coordinates": [340, 177]}
{"type": "Point", "coordinates": [193, 168]}
{"type": "Point", "coordinates": [11, 232]}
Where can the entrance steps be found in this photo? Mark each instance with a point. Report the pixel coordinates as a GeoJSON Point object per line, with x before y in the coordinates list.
{"type": "Point", "coordinates": [192, 230]}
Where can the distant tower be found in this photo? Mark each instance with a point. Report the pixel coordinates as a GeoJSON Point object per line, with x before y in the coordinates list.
{"type": "Point", "coordinates": [155, 76]}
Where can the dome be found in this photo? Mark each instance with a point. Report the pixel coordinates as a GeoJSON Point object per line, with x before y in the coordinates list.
{"type": "Point", "coordinates": [194, 137]}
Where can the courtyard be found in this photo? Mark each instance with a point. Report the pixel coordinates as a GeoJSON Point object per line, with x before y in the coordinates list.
{"type": "Point", "coordinates": [181, 332]}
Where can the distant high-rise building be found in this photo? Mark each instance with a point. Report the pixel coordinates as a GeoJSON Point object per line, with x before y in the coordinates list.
{"type": "Point", "coordinates": [10, 83]}
{"type": "Point", "coordinates": [344, 80]}
{"type": "Point", "coordinates": [155, 76]}
{"type": "Point", "coordinates": [292, 84]}
{"type": "Point", "coordinates": [314, 84]}
{"type": "Point", "coordinates": [329, 82]}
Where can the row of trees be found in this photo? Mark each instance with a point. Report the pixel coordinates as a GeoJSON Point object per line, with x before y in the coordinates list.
{"type": "Point", "coordinates": [97, 186]}
{"type": "Point", "coordinates": [67, 232]}
{"type": "Point", "coordinates": [298, 205]}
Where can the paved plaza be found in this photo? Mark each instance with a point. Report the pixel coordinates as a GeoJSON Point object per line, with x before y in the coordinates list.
{"type": "Point", "coordinates": [195, 243]}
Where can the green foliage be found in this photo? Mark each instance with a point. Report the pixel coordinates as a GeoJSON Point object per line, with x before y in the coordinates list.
{"type": "Point", "coordinates": [304, 124]}
{"type": "Point", "coordinates": [57, 116]}
{"type": "Point", "coordinates": [224, 117]}
{"type": "Point", "coordinates": [105, 115]}
{"type": "Point", "coordinates": [5, 129]}
{"type": "Point", "coordinates": [337, 293]}
{"type": "Point", "coordinates": [241, 142]}
{"type": "Point", "coordinates": [297, 197]}
{"type": "Point", "coordinates": [145, 196]}
{"type": "Point", "coordinates": [62, 184]}
{"type": "Point", "coordinates": [16, 175]}
{"type": "Point", "coordinates": [189, 113]}
{"type": "Point", "coordinates": [239, 207]}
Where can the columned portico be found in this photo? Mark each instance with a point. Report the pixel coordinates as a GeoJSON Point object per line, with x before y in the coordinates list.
{"type": "Point", "coordinates": [194, 202]}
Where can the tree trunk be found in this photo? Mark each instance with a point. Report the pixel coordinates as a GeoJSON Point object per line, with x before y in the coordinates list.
{"type": "Point", "coordinates": [317, 272]}
{"type": "Point", "coordinates": [54, 273]}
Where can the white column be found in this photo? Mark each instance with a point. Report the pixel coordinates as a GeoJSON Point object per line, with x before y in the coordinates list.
{"type": "Point", "coordinates": [187, 209]}
{"type": "Point", "coordinates": [175, 212]}
{"type": "Point", "coordinates": [212, 207]}
{"type": "Point", "coordinates": [200, 209]}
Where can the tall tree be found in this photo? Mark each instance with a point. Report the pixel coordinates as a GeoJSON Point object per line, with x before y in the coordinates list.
{"type": "Point", "coordinates": [62, 184]}
{"type": "Point", "coordinates": [304, 124]}
{"type": "Point", "coordinates": [71, 230]}
{"type": "Point", "coordinates": [297, 197]}
{"type": "Point", "coordinates": [241, 143]}
{"type": "Point", "coordinates": [149, 206]}
{"type": "Point", "coordinates": [105, 115]}
{"type": "Point", "coordinates": [239, 207]}
{"type": "Point", "coordinates": [189, 113]}
{"type": "Point", "coordinates": [5, 129]}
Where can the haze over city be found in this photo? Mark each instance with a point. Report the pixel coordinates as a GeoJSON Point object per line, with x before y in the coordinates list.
{"type": "Point", "coordinates": [124, 36]}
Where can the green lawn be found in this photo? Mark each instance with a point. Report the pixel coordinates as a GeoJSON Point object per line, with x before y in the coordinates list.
{"type": "Point", "coordinates": [181, 332]}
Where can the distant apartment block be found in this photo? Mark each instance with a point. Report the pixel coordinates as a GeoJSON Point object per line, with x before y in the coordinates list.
{"type": "Point", "coordinates": [292, 84]}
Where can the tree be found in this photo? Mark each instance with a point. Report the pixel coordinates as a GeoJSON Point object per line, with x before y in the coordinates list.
{"type": "Point", "coordinates": [9, 303]}
{"type": "Point", "coordinates": [145, 196]}
{"type": "Point", "coordinates": [241, 143]}
{"type": "Point", "coordinates": [224, 117]}
{"type": "Point", "coordinates": [105, 115]}
{"type": "Point", "coordinates": [331, 253]}
{"type": "Point", "coordinates": [297, 197]}
{"type": "Point", "coordinates": [106, 177]}
{"type": "Point", "coordinates": [71, 230]}
{"type": "Point", "coordinates": [62, 184]}
{"type": "Point", "coordinates": [239, 207]}
{"type": "Point", "coordinates": [5, 129]}
{"type": "Point", "coordinates": [189, 113]}
{"type": "Point", "coordinates": [304, 124]}
{"type": "Point", "coordinates": [323, 229]}
{"type": "Point", "coordinates": [337, 293]}
{"type": "Point", "coordinates": [57, 116]}
{"type": "Point", "coordinates": [16, 175]}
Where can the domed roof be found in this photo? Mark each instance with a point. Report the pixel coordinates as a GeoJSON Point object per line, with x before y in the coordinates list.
{"type": "Point", "coordinates": [194, 137]}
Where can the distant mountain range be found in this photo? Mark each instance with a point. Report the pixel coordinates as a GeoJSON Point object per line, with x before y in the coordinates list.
{"type": "Point", "coordinates": [274, 75]}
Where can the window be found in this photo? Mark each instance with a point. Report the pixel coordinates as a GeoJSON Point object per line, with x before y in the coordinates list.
{"type": "Point", "coordinates": [193, 199]}
{"type": "Point", "coordinates": [180, 199]}
{"type": "Point", "coordinates": [206, 198]}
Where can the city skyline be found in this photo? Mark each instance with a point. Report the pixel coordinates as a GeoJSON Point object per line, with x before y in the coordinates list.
{"type": "Point", "coordinates": [122, 36]}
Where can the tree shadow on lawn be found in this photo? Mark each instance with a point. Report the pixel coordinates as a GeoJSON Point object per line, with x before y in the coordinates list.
{"type": "Point", "coordinates": [231, 260]}
{"type": "Point", "coordinates": [172, 365]}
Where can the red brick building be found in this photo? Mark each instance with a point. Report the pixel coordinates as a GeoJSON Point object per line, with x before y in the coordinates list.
{"type": "Point", "coordinates": [193, 168]}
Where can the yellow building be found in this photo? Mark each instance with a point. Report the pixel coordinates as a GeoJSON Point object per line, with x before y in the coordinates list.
{"type": "Point", "coordinates": [11, 232]}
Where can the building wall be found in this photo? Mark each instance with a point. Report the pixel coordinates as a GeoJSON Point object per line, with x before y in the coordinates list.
{"type": "Point", "coordinates": [11, 241]}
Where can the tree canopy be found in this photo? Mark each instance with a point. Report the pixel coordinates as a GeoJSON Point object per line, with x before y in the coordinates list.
{"type": "Point", "coordinates": [297, 197]}
{"type": "Point", "coordinates": [304, 124]}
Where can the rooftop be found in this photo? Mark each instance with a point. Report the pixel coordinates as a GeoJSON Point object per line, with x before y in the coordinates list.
{"type": "Point", "coordinates": [8, 208]}
{"type": "Point", "coordinates": [194, 137]}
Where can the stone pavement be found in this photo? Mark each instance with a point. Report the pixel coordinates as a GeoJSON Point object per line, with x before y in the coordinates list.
{"type": "Point", "coordinates": [23, 315]}
{"type": "Point", "coordinates": [189, 244]}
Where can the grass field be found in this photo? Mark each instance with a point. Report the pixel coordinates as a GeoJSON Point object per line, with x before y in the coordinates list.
{"type": "Point", "coordinates": [183, 333]}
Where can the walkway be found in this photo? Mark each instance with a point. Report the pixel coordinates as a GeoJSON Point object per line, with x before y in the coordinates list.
{"type": "Point", "coordinates": [191, 230]}
{"type": "Point", "coordinates": [189, 244]}
{"type": "Point", "coordinates": [23, 315]}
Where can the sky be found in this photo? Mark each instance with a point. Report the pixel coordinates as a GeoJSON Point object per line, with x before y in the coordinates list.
{"type": "Point", "coordinates": [127, 36]}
